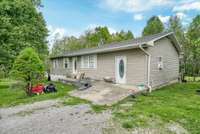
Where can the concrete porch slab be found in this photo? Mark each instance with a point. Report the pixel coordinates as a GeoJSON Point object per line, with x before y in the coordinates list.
{"type": "Point", "coordinates": [102, 93]}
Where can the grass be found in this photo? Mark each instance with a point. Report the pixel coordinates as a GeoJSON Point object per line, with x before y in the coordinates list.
{"type": "Point", "coordinates": [10, 96]}
{"type": "Point", "coordinates": [175, 103]}
{"type": "Point", "coordinates": [190, 78]}
{"type": "Point", "coordinates": [74, 101]}
{"type": "Point", "coordinates": [99, 108]}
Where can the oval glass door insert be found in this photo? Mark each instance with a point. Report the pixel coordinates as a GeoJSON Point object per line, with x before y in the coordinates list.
{"type": "Point", "coordinates": [121, 68]}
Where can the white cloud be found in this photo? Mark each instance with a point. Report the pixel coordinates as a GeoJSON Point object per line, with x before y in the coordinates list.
{"type": "Point", "coordinates": [59, 33]}
{"type": "Point", "coordinates": [164, 19]}
{"type": "Point", "coordinates": [134, 5]}
{"type": "Point", "coordinates": [138, 17]}
{"type": "Point", "coordinates": [180, 15]}
{"type": "Point", "coordinates": [55, 33]}
{"type": "Point", "coordinates": [112, 30]}
{"type": "Point", "coordinates": [187, 5]}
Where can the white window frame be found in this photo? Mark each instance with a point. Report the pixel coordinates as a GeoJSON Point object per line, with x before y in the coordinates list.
{"type": "Point", "coordinates": [55, 63]}
{"type": "Point", "coordinates": [66, 60]}
{"type": "Point", "coordinates": [160, 63]}
{"type": "Point", "coordinates": [87, 63]}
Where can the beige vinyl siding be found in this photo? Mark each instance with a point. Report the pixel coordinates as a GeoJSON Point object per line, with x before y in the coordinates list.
{"type": "Point", "coordinates": [60, 70]}
{"type": "Point", "coordinates": [165, 49]}
{"type": "Point", "coordinates": [136, 66]}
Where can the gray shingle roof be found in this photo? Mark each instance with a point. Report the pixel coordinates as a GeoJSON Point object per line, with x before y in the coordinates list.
{"type": "Point", "coordinates": [116, 46]}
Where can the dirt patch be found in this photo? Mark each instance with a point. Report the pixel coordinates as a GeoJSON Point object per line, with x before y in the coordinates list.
{"type": "Point", "coordinates": [176, 128]}
{"type": "Point", "coordinates": [31, 111]}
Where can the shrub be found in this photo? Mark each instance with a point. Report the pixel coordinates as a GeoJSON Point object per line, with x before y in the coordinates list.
{"type": "Point", "coordinates": [27, 67]}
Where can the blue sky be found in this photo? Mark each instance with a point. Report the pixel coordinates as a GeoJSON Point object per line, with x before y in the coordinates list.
{"type": "Point", "coordinates": [73, 17]}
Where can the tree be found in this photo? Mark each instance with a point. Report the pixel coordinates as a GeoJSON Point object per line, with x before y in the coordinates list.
{"type": "Point", "coordinates": [92, 38]}
{"type": "Point", "coordinates": [154, 25]}
{"type": "Point", "coordinates": [193, 37]}
{"type": "Point", "coordinates": [121, 36]}
{"type": "Point", "coordinates": [21, 26]}
{"type": "Point", "coordinates": [193, 32]}
{"type": "Point", "coordinates": [97, 36]}
{"type": "Point", "coordinates": [176, 27]}
{"type": "Point", "coordinates": [4, 60]}
{"type": "Point", "coordinates": [27, 67]}
{"type": "Point", "coordinates": [129, 35]}
{"type": "Point", "coordinates": [66, 44]}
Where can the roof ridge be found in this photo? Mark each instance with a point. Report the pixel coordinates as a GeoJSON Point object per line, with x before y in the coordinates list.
{"type": "Point", "coordinates": [165, 32]}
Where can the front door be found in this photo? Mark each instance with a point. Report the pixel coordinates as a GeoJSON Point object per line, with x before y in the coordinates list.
{"type": "Point", "coordinates": [74, 65]}
{"type": "Point", "coordinates": [120, 69]}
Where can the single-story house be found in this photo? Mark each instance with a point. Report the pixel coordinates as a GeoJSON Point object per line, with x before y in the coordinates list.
{"type": "Point", "coordinates": [151, 61]}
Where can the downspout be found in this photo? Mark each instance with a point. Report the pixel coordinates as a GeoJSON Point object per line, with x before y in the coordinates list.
{"type": "Point", "coordinates": [148, 67]}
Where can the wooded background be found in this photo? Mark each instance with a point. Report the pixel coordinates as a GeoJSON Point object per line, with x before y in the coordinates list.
{"type": "Point", "coordinates": [22, 25]}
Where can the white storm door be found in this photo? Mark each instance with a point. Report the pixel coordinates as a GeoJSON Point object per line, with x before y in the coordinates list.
{"type": "Point", "coordinates": [120, 69]}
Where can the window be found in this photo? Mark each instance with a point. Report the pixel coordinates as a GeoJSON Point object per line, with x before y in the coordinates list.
{"type": "Point", "coordinates": [55, 63]}
{"type": "Point", "coordinates": [160, 63]}
{"type": "Point", "coordinates": [66, 63]}
{"type": "Point", "coordinates": [91, 62]}
{"type": "Point", "coordinates": [85, 61]}
{"type": "Point", "coordinates": [121, 68]}
{"type": "Point", "coordinates": [88, 61]}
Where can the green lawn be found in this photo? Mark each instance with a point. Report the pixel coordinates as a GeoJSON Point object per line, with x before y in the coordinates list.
{"type": "Point", "coordinates": [191, 79]}
{"type": "Point", "coordinates": [177, 103]}
{"type": "Point", "coordinates": [13, 95]}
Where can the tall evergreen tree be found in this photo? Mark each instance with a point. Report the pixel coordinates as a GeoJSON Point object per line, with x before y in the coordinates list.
{"type": "Point", "coordinates": [28, 67]}
{"type": "Point", "coordinates": [154, 25]}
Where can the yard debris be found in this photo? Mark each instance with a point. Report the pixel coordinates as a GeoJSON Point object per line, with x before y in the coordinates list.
{"type": "Point", "coordinates": [50, 88]}
{"type": "Point", "coordinates": [109, 79]}
{"type": "Point", "coordinates": [40, 88]}
{"type": "Point", "coordinates": [37, 88]}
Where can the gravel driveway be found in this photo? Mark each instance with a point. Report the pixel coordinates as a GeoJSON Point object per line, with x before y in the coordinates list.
{"type": "Point", "coordinates": [51, 117]}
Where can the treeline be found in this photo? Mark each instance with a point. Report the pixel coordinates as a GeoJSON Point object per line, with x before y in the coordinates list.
{"type": "Point", "coordinates": [91, 38]}
{"type": "Point", "coordinates": [189, 39]}
{"type": "Point", "coordinates": [22, 25]}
